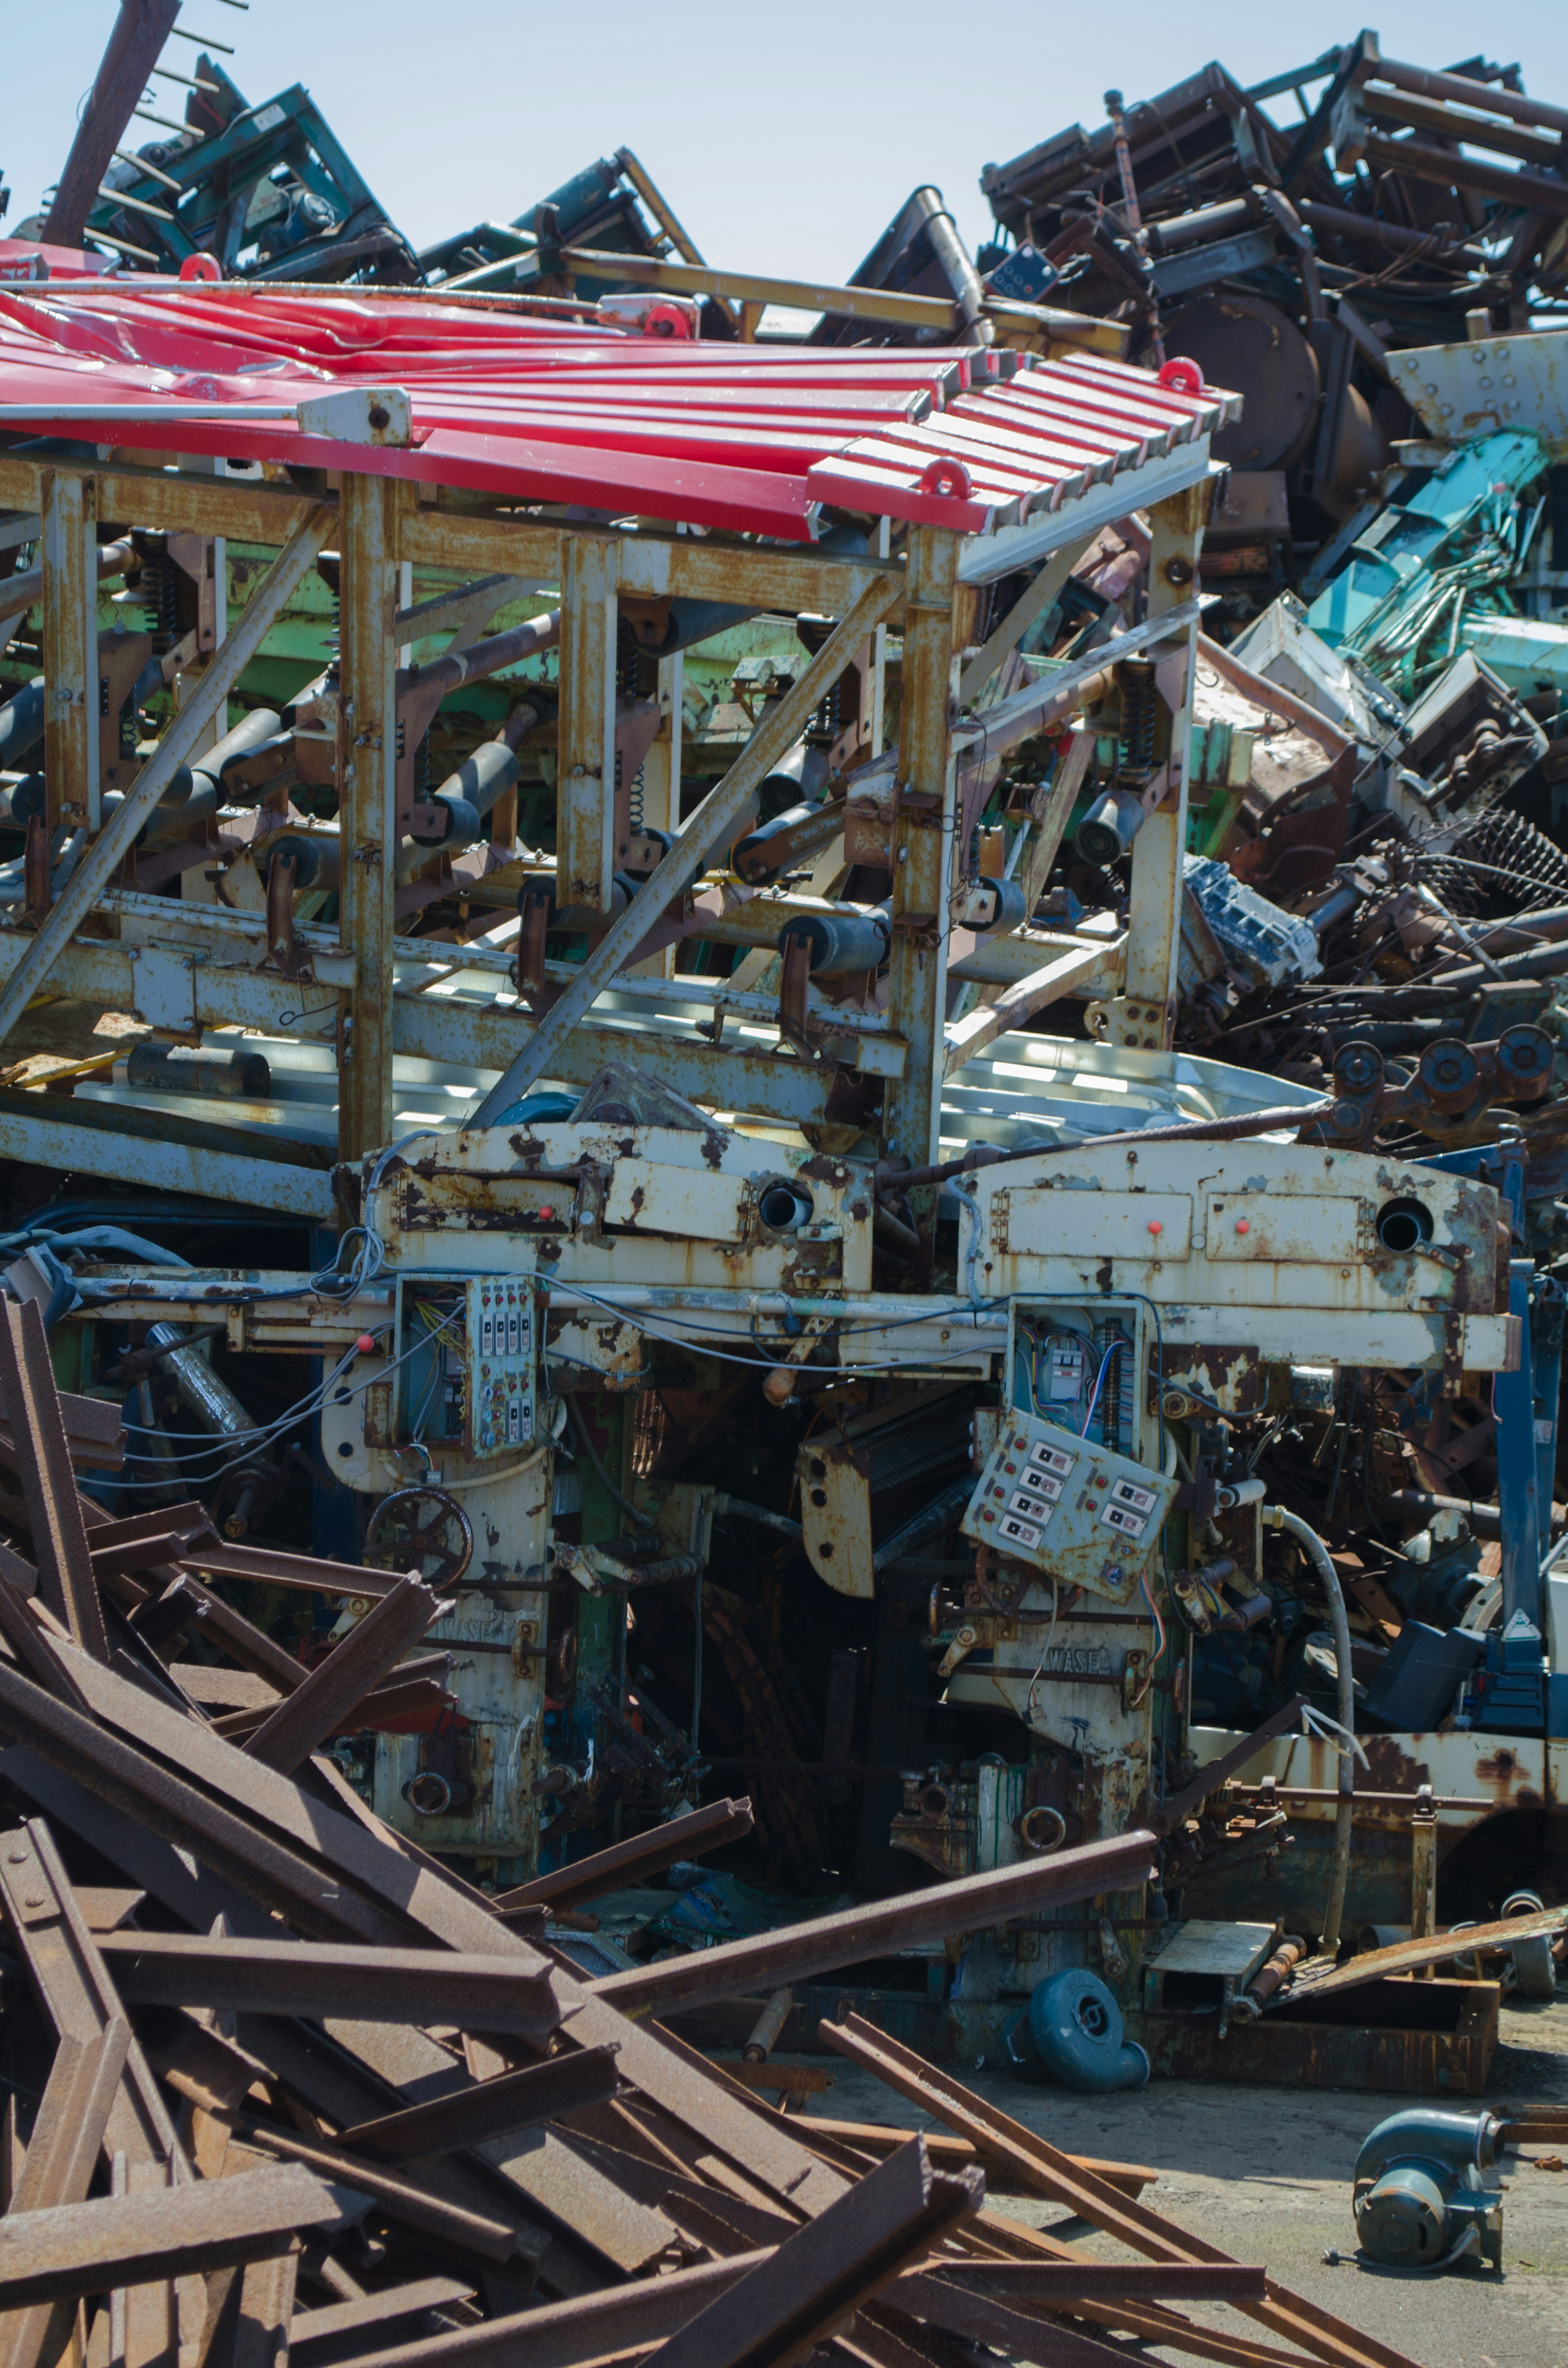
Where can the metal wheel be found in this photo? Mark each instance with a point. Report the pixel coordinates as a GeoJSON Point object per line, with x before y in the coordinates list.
{"type": "Point", "coordinates": [423, 1530]}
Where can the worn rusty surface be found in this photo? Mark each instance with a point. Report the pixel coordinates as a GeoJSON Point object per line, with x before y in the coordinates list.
{"type": "Point", "coordinates": [1423, 2039]}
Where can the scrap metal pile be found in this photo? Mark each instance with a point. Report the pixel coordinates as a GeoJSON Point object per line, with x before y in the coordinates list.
{"type": "Point", "coordinates": [545, 815]}
{"type": "Point", "coordinates": [280, 2085]}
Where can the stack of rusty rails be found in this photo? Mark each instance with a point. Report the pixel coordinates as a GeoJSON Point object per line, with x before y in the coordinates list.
{"type": "Point", "coordinates": [297, 2086]}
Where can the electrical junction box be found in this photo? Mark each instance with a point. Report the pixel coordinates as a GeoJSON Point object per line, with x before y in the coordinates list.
{"type": "Point", "coordinates": [1069, 1507]}
{"type": "Point", "coordinates": [469, 1359]}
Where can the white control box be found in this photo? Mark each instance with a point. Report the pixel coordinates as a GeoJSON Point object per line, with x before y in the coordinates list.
{"type": "Point", "coordinates": [1069, 1507]}
{"type": "Point", "coordinates": [501, 1362]}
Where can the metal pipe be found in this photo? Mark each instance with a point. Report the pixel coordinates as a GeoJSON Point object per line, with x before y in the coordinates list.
{"type": "Point", "coordinates": [20, 593]}
{"type": "Point", "coordinates": [739, 1510]}
{"type": "Point", "coordinates": [21, 723]}
{"type": "Point", "coordinates": [210, 1400]}
{"type": "Point", "coordinates": [1276, 1517]}
{"type": "Point", "coordinates": [455, 667]}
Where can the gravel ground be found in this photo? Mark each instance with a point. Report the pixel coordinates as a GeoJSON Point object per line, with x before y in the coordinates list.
{"type": "Point", "coordinates": [1265, 2172]}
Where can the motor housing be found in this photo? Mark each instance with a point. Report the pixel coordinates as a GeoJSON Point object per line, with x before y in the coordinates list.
{"type": "Point", "coordinates": [1419, 2198]}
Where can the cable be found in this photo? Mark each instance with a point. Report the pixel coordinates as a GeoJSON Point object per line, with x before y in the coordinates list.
{"type": "Point", "coordinates": [1115, 1349]}
{"type": "Point", "coordinates": [580, 1431]}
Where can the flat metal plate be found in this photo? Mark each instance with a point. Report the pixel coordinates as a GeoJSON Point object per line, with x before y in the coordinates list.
{"type": "Point", "coordinates": [1229, 1951]}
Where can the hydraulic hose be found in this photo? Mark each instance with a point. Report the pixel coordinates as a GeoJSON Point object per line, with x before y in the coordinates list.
{"type": "Point", "coordinates": [1276, 1517]}
{"type": "Point", "coordinates": [738, 1509]}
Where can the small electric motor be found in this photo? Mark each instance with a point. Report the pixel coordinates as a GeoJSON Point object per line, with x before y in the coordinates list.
{"type": "Point", "coordinates": [1419, 2198]}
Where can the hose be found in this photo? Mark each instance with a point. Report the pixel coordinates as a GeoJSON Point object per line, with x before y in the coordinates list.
{"type": "Point", "coordinates": [580, 1431]}
{"type": "Point", "coordinates": [737, 1507]}
{"type": "Point", "coordinates": [1276, 1518]}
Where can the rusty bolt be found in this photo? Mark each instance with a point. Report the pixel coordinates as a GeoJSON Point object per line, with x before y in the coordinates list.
{"type": "Point", "coordinates": [1178, 570]}
{"type": "Point", "coordinates": [380, 416]}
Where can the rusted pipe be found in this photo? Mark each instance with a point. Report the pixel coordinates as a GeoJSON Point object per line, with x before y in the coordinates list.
{"type": "Point", "coordinates": [1269, 1979]}
{"type": "Point", "coordinates": [769, 2028]}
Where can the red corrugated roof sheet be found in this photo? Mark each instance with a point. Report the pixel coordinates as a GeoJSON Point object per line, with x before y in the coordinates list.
{"type": "Point", "coordinates": [748, 437]}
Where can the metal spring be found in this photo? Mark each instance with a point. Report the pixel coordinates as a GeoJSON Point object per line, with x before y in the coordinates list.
{"type": "Point", "coordinates": [1140, 708]}
{"type": "Point", "coordinates": [634, 802]}
{"type": "Point", "coordinates": [159, 601]}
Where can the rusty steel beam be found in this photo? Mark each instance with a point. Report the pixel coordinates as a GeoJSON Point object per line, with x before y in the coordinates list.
{"type": "Point", "coordinates": [362, 2313]}
{"type": "Point", "coordinates": [135, 41]}
{"type": "Point", "coordinates": [779, 2313]}
{"type": "Point", "coordinates": [1168, 1816]}
{"type": "Point", "coordinates": [400, 2199]}
{"type": "Point", "coordinates": [1045, 2171]}
{"type": "Point", "coordinates": [633, 1861]}
{"type": "Point", "coordinates": [511, 2101]}
{"type": "Point", "coordinates": [1058, 2284]}
{"type": "Point", "coordinates": [590, 2327]}
{"type": "Point", "coordinates": [339, 1683]}
{"type": "Point", "coordinates": [62, 2155]}
{"type": "Point", "coordinates": [125, 2240]}
{"type": "Point", "coordinates": [318, 1979]}
{"type": "Point", "coordinates": [271, 1567]}
{"type": "Point", "coordinates": [49, 1488]}
{"type": "Point", "coordinates": [233, 1846]}
{"type": "Point", "coordinates": [796, 1952]}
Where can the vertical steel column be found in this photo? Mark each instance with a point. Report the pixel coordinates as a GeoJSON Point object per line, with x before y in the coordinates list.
{"type": "Point", "coordinates": [923, 845]}
{"type": "Point", "coordinates": [585, 794]}
{"type": "Point", "coordinates": [69, 553]}
{"type": "Point", "coordinates": [367, 804]}
{"type": "Point", "coordinates": [660, 788]}
{"type": "Point", "coordinates": [1144, 1013]}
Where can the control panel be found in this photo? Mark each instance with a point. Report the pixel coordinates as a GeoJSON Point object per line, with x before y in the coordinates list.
{"type": "Point", "coordinates": [1069, 1507]}
{"type": "Point", "coordinates": [469, 1363]}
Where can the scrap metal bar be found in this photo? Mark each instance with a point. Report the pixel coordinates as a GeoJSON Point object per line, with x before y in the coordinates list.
{"type": "Point", "coordinates": [780, 728]}
{"type": "Point", "coordinates": [351, 1671]}
{"type": "Point", "coordinates": [318, 1979]}
{"type": "Point", "coordinates": [512, 2100]}
{"type": "Point", "coordinates": [400, 2199]}
{"type": "Point", "coordinates": [184, 737]}
{"type": "Point", "coordinates": [982, 2318]}
{"type": "Point", "coordinates": [849, 2253]}
{"type": "Point", "coordinates": [1058, 2284]}
{"type": "Point", "coordinates": [362, 2312]}
{"type": "Point", "coordinates": [251, 1859]}
{"type": "Point", "coordinates": [590, 2327]}
{"type": "Point", "coordinates": [62, 2155]}
{"type": "Point", "coordinates": [70, 596]}
{"type": "Point", "coordinates": [1170, 1812]}
{"type": "Point", "coordinates": [135, 41]}
{"type": "Point", "coordinates": [633, 1861]}
{"type": "Point", "coordinates": [939, 313]}
{"type": "Point", "coordinates": [367, 782]}
{"type": "Point", "coordinates": [1045, 2171]}
{"type": "Point", "coordinates": [48, 1487]}
{"type": "Point", "coordinates": [125, 2240]}
{"type": "Point", "coordinates": [1411, 1957]}
{"type": "Point", "coordinates": [735, 1968]}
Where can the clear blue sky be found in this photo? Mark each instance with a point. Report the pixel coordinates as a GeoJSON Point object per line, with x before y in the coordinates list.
{"type": "Point", "coordinates": [785, 136]}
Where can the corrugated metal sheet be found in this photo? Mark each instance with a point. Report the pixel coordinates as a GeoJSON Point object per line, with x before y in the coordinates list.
{"type": "Point", "coordinates": [743, 436]}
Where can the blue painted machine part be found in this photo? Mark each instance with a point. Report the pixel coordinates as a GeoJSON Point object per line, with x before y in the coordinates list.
{"type": "Point", "coordinates": [1076, 2028]}
{"type": "Point", "coordinates": [1404, 540]}
{"type": "Point", "coordinates": [1419, 2197]}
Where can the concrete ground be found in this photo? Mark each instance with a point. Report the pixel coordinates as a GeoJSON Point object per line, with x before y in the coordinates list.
{"type": "Point", "coordinates": [1265, 2173]}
